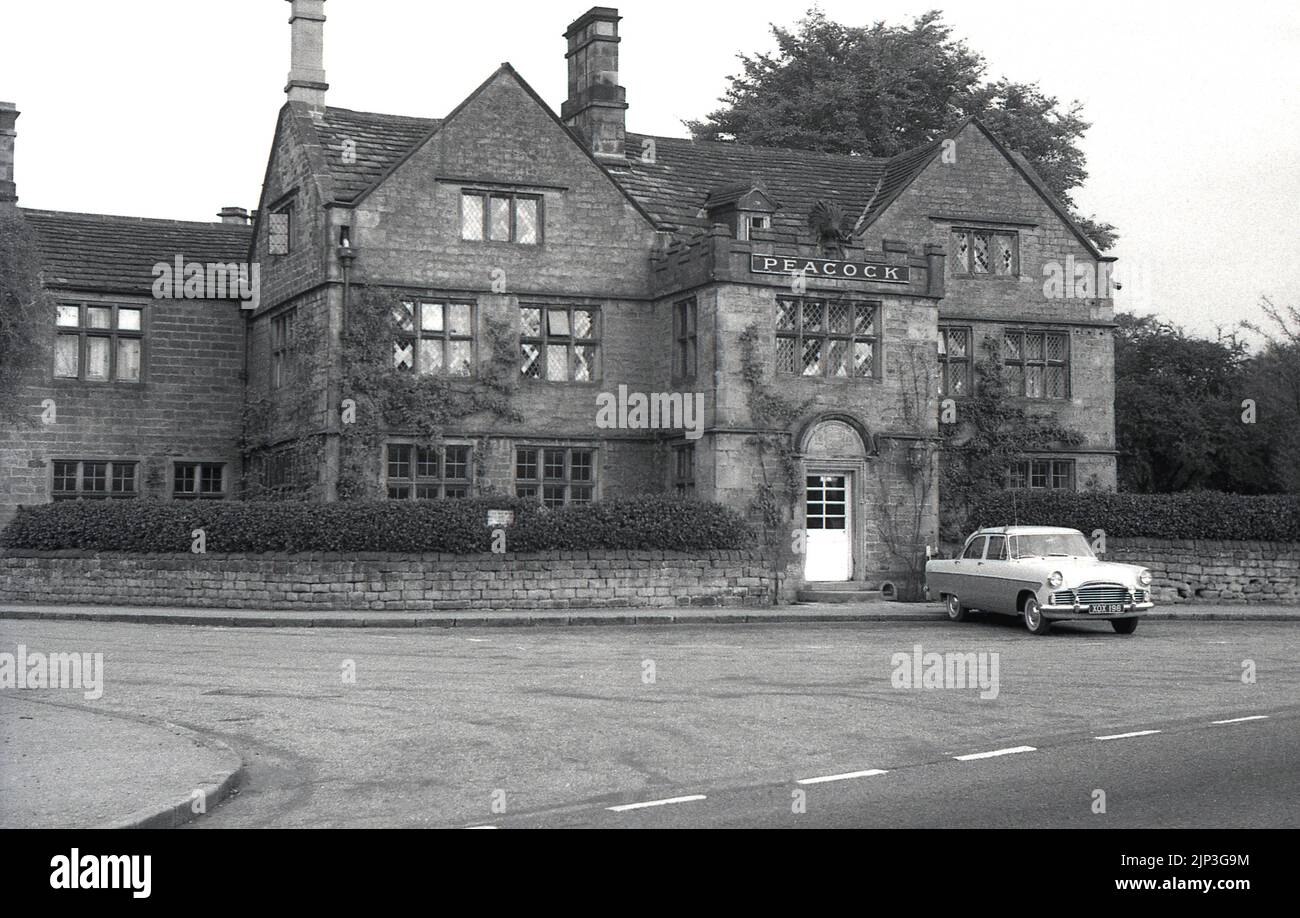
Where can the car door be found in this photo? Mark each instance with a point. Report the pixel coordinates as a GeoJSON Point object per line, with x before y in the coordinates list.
{"type": "Point", "coordinates": [995, 574]}
{"type": "Point", "coordinates": [968, 566]}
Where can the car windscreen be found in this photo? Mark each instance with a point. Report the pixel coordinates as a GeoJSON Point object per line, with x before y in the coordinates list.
{"type": "Point", "coordinates": [1051, 544]}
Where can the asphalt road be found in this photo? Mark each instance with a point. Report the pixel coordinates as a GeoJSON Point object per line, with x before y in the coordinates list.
{"type": "Point", "coordinates": [571, 726]}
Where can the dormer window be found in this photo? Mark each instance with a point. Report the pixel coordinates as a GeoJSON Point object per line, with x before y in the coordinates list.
{"type": "Point", "coordinates": [744, 207]}
{"type": "Point", "coordinates": [750, 222]}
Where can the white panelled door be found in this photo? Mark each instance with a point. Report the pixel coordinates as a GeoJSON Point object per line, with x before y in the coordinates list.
{"type": "Point", "coordinates": [827, 518]}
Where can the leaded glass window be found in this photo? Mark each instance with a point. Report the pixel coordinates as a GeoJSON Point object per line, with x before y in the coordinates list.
{"type": "Point", "coordinates": [826, 338]}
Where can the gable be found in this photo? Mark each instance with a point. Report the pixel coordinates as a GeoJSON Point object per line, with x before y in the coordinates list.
{"type": "Point", "coordinates": [521, 127]}
{"type": "Point", "coordinates": [503, 139]}
{"type": "Point", "coordinates": [978, 176]}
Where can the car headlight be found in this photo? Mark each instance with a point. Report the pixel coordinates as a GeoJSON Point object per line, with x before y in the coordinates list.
{"type": "Point", "coordinates": [1055, 580]}
{"type": "Point", "coordinates": [1144, 578]}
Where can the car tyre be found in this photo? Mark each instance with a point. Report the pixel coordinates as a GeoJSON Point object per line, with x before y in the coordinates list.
{"type": "Point", "coordinates": [1035, 620]}
{"type": "Point", "coordinates": [956, 611]}
{"type": "Point", "coordinates": [1124, 625]}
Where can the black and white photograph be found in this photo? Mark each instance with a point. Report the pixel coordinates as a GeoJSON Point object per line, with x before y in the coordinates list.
{"type": "Point", "coordinates": [791, 414]}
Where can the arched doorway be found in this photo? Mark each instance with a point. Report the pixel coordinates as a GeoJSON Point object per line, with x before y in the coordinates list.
{"type": "Point", "coordinates": [834, 453]}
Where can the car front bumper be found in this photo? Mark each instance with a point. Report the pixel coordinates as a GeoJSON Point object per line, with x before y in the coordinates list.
{"type": "Point", "coordinates": [1084, 611]}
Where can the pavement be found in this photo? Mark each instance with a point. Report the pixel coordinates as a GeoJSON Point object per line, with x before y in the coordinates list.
{"type": "Point", "coordinates": [701, 725]}
{"type": "Point", "coordinates": [69, 766]}
{"type": "Point", "coordinates": [481, 618]}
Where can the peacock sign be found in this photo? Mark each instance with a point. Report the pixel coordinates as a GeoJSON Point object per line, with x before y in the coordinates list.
{"type": "Point", "coordinates": [830, 269]}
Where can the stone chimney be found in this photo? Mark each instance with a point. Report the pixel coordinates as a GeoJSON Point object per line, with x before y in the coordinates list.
{"type": "Point", "coordinates": [236, 215]}
{"type": "Point", "coordinates": [597, 106]}
{"type": "Point", "coordinates": [307, 54]}
{"type": "Point", "coordinates": [8, 190]}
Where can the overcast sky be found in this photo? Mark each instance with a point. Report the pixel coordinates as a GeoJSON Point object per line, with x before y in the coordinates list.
{"type": "Point", "coordinates": [165, 108]}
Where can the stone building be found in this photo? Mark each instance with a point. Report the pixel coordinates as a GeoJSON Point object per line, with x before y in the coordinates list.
{"type": "Point", "coordinates": [539, 279]}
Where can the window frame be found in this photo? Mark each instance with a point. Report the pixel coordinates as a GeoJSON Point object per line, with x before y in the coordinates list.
{"type": "Point", "coordinates": [747, 222]}
{"type": "Point", "coordinates": [983, 541]}
{"type": "Point", "coordinates": [284, 336]}
{"type": "Point", "coordinates": [684, 469]}
{"type": "Point", "coordinates": [827, 336]}
{"type": "Point", "coordinates": [114, 334]}
{"type": "Point", "coordinates": [110, 478]}
{"type": "Point", "coordinates": [284, 210]}
{"type": "Point", "coordinates": [537, 485]}
{"type": "Point", "coordinates": [946, 361]}
{"type": "Point", "coordinates": [199, 466]}
{"type": "Point", "coordinates": [1024, 362]}
{"type": "Point", "coordinates": [545, 341]}
{"type": "Point", "coordinates": [440, 482]}
{"type": "Point", "coordinates": [1015, 481]}
{"type": "Point", "coordinates": [970, 232]}
{"type": "Point", "coordinates": [485, 197]}
{"type": "Point", "coordinates": [686, 337]}
{"type": "Point", "coordinates": [280, 463]}
{"type": "Point", "coordinates": [418, 333]}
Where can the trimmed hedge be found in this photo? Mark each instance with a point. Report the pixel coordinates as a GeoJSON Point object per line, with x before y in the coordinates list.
{"type": "Point", "coordinates": [1191, 515]}
{"type": "Point", "coordinates": [449, 526]}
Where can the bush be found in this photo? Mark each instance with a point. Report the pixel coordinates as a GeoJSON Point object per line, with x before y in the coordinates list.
{"type": "Point", "coordinates": [1190, 515]}
{"type": "Point", "coordinates": [449, 526]}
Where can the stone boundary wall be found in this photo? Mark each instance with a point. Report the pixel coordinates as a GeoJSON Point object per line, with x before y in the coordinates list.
{"type": "Point", "coordinates": [1209, 571]}
{"type": "Point", "coordinates": [543, 580]}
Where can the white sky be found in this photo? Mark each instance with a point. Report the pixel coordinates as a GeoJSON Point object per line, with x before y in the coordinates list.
{"type": "Point", "coordinates": [165, 107]}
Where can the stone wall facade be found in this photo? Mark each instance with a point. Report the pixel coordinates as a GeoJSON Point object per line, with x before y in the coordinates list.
{"type": "Point", "coordinates": [1190, 571]}
{"type": "Point", "coordinates": [416, 582]}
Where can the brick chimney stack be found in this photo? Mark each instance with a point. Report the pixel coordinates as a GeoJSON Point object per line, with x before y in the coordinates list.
{"type": "Point", "coordinates": [235, 215]}
{"type": "Point", "coordinates": [307, 54]}
{"type": "Point", "coordinates": [596, 109]}
{"type": "Point", "coordinates": [8, 190]}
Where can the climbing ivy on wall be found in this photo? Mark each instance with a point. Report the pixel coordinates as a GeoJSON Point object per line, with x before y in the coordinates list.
{"type": "Point", "coordinates": [991, 430]}
{"type": "Point", "coordinates": [26, 310]}
{"type": "Point", "coordinates": [378, 399]}
{"type": "Point", "coordinates": [289, 419]}
{"type": "Point", "coordinates": [374, 399]}
{"type": "Point", "coordinates": [773, 415]}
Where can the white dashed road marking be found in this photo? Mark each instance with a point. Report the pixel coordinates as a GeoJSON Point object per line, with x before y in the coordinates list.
{"type": "Point", "coordinates": [995, 753]}
{"type": "Point", "coordinates": [1127, 735]}
{"type": "Point", "coordinates": [844, 777]}
{"type": "Point", "coordinates": [641, 806]}
{"type": "Point", "coordinates": [1241, 720]}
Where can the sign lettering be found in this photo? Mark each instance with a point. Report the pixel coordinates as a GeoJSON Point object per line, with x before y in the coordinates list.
{"type": "Point", "coordinates": [836, 270]}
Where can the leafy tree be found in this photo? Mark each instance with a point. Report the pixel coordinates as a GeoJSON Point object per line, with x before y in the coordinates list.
{"type": "Point", "coordinates": [1274, 383]}
{"type": "Point", "coordinates": [1178, 412]}
{"type": "Point", "coordinates": [26, 310]}
{"type": "Point", "coordinates": [881, 89]}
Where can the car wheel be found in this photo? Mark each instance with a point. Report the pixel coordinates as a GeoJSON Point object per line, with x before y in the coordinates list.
{"type": "Point", "coordinates": [1035, 620]}
{"type": "Point", "coordinates": [1124, 625]}
{"type": "Point", "coordinates": [956, 611]}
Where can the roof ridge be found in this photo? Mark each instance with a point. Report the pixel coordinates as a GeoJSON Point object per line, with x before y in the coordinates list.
{"type": "Point", "coordinates": [357, 111]}
{"type": "Point", "coordinates": [160, 221]}
{"type": "Point", "coordinates": [734, 145]}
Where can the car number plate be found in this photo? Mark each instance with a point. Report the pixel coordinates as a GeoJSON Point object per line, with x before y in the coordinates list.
{"type": "Point", "coordinates": [1107, 608]}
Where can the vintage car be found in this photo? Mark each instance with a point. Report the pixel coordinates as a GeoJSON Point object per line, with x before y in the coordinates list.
{"type": "Point", "coordinates": [1041, 573]}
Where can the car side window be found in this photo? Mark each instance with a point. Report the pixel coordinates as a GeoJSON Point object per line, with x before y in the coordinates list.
{"type": "Point", "coordinates": [997, 548]}
{"type": "Point", "coordinates": [975, 550]}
